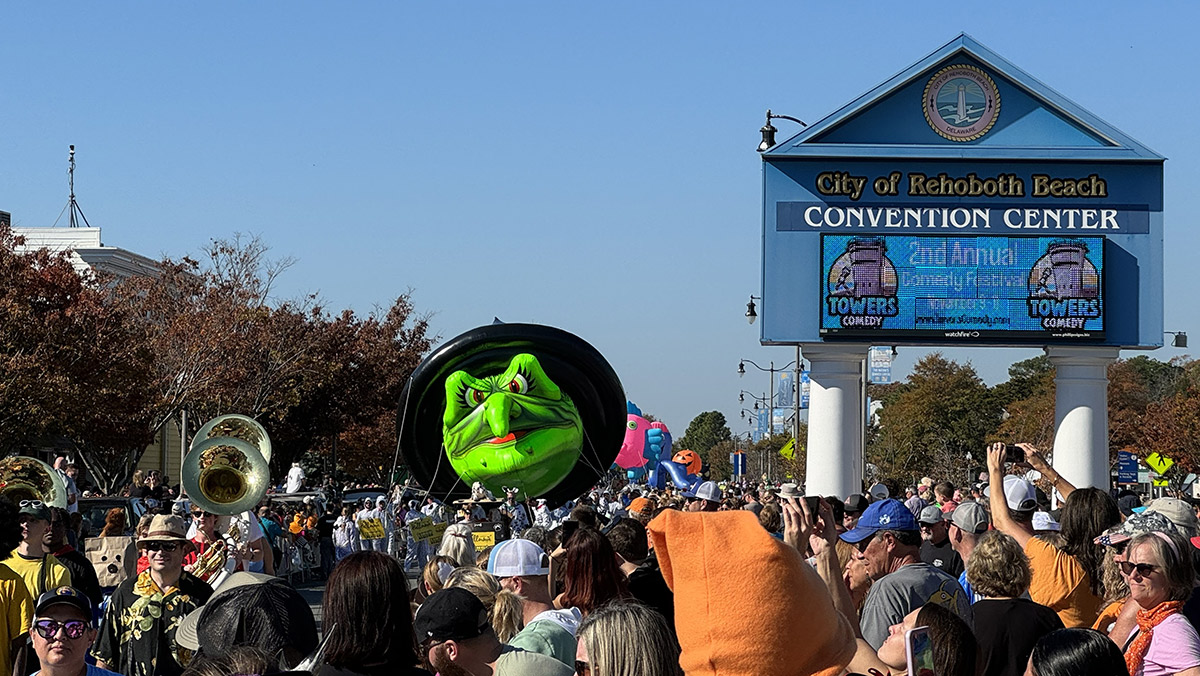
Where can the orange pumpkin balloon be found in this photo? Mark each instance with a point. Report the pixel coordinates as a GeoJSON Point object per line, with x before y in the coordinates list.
{"type": "Point", "coordinates": [690, 460]}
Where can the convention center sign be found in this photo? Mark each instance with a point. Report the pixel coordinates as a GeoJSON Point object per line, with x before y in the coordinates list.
{"type": "Point", "coordinates": [962, 202]}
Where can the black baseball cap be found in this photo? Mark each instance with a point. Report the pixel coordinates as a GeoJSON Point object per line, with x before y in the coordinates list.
{"type": "Point", "coordinates": [856, 503]}
{"type": "Point", "coordinates": [69, 596]}
{"type": "Point", "coordinates": [452, 614]}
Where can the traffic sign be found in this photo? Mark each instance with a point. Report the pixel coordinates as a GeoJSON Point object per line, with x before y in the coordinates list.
{"type": "Point", "coordinates": [1159, 463]}
{"type": "Point", "coordinates": [789, 449]}
{"type": "Point", "coordinates": [1127, 467]}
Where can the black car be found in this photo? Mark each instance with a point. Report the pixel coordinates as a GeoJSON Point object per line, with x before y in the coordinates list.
{"type": "Point", "coordinates": [95, 510]}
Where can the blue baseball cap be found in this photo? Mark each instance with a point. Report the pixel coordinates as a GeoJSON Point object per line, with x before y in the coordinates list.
{"type": "Point", "coordinates": [890, 514]}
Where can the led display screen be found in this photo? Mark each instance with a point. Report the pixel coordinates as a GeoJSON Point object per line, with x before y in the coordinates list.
{"type": "Point", "coordinates": [1019, 289]}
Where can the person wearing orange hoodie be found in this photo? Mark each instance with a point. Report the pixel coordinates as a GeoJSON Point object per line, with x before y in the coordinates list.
{"type": "Point", "coordinates": [785, 624]}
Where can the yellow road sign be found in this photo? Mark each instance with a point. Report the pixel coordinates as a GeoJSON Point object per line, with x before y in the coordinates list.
{"type": "Point", "coordinates": [1159, 463]}
{"type": "Point", "coordinates": [789, 449]}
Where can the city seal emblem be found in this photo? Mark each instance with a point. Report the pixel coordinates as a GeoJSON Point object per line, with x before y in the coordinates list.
{"type": "Point", "coordinates": [961, 103]}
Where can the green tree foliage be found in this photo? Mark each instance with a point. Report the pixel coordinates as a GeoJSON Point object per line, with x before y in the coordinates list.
{"type": "Point", "coordinates": [702, 435]}
{"type": "Point", "coordinates": [942, 412]}
{"type": "Point", "coordinates": [1028, 401]}
{"type": "Point", "coordinates": [1025, 379]}
{"type": "Point", "coordinates": [717, 466]}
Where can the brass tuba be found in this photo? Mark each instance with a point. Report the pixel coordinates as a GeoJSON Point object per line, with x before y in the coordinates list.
{"type": "Point", "coordinates": [226, 471]}
{"type": "Point", "coordinates": [25, 478]}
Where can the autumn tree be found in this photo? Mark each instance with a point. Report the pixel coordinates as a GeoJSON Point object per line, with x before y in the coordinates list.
{"type": "Point", "coordinates": [1171, 425]}
{"type": "Point", "coordinates": [942, 412]}
{"type": "Point", "coordinates": [72, 374]}
{"type": "Point", "coordinates": [1028, 401]}
{"type": "Point", "coordinates": [98, 365]}
{"type": "Point", "coordinates": [717, 466]}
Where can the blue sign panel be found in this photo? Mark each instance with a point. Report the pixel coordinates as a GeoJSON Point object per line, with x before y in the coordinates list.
{"type": "Point", "coordinates": [1127, 467]}
{"type": "Point", "coordinates": [1000, 214]}
{"type": "Point", "coordinates": [948, 218]}
{"type": "Point", "coordinates": [805, 387]}
{"type": "Point", "coordinates": [785, 388]}
{"type": "Point", "coordinates": [963, 287]}
{"type": "Point", "coordinates": [880, 365]}
{"type": "Point", "coordinates": [738, 460]}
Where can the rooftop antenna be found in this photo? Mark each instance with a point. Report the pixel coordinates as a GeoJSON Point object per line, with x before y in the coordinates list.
{"type": "Point", "coordinates": [76, 214]}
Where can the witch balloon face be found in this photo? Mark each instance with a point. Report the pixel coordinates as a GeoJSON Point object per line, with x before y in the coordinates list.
{"type": "Point", "coordinates": [514, 428]}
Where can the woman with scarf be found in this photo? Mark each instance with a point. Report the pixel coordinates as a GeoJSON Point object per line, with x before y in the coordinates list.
{"type": "Point", "coordinates": [1159, 571]}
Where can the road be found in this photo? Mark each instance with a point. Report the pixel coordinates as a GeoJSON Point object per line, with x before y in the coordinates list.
{"type": "Point", "coordinates": [313, 592]}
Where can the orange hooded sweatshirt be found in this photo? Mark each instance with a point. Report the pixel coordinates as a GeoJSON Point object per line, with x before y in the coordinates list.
{"type": "Point", "coordinates": [746, 604]}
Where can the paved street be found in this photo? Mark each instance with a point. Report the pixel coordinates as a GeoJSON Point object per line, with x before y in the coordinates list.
{"type": "Point", "coordinates": [313, 592]}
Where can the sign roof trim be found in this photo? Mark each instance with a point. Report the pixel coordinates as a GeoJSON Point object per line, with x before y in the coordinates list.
{"type": "Point", "coordinates": [1124, 147]}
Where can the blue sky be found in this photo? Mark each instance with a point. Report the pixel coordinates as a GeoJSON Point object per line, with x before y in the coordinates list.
{"type": "Point", "coordinates": [589, 166]}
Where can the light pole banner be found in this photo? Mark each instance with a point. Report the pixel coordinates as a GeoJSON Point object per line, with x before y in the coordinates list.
{"type": "Point", "coordinates": [738, 461]}
{"type": "Point", "coordinates": [785, 389]}
{"type": "Point", "coordinates": [805, 385]}
{"type": "Point", "coordinates": [881, 365]}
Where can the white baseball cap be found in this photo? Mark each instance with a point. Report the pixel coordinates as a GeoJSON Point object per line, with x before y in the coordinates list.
{"type": "Point", "coordinates": [1019, 494]}
{"type": "Point", "coordinates": [1043, 521]}
{"type": "Point", "coordinates": [517, 558]}
{"type": "Point", "coordinates": [705, 491]}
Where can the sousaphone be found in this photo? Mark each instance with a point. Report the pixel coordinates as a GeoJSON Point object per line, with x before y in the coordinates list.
{"type": "Point", "coordinates": [25, 478]}
{"type": "Point", "coordinates": [226, 469]}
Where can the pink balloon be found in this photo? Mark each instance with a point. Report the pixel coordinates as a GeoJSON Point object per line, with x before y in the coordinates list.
{"type": "Point", "coordinates": [635, 442]}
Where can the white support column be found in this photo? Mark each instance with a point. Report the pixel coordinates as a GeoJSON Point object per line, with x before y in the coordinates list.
{"type": "Point", "coordinates": [835, 452]}
{"type": "Point", "coordinates": [1081, 413]}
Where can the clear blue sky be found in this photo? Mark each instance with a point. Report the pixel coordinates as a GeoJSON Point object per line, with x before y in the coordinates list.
{"type": "Point", "coordinates": [585, 165]}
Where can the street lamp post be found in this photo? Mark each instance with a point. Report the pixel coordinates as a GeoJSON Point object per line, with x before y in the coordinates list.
{"type": "Point", "coordinates": [771, 401]}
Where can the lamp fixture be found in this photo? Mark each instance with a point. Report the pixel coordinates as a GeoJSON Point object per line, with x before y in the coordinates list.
{"type": "Point", "coordinates": [751, 314]}
{"type": "Point", "coordinates": [768, 130]}
{"type": "Point", "coordinates": [1179, 338]}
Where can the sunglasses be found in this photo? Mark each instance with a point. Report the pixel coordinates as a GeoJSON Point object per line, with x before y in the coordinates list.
{"type": "Point", "coordinates": [36, 504]}
{"type": "Point", "coordinates": [200, 515]}
{"type": "Point", "coordinates": [582, 668]}
{"type": "Point", "coordinates": [164, 546]}
{"type": "Point", "coordinates": [1143, 569]}
{"type": "Point", "coordinates": [48, 629]}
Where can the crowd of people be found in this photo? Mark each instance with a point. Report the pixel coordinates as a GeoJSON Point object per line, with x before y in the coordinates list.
{"type": "Point", "coordinates": [1001, 577]}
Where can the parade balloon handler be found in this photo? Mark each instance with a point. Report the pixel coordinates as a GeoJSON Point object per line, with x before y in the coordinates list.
{"type": "Point", "coordinates": [512, 406]}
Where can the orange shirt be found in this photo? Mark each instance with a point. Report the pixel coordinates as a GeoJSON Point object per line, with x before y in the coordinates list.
{"type": "Point", "coordinates": [1061, 584]}
{"type": "Point", "coordinates": [1108, 616]}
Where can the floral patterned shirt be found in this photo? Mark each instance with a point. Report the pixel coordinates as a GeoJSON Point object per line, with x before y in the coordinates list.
{"type": "Point", "coordinates": [137, 635]}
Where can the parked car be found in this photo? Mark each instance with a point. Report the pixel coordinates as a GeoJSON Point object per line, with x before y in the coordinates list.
{"type": "Point", "coordinates": [356, 497]}
{"type": "Point", "coordinates": [295, 499]}
{"type": "Point", "coordinates": [95, 510]}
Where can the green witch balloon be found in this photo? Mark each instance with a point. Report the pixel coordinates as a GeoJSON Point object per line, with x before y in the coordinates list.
{"type": "Point", "coordinates": [516, 428]}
